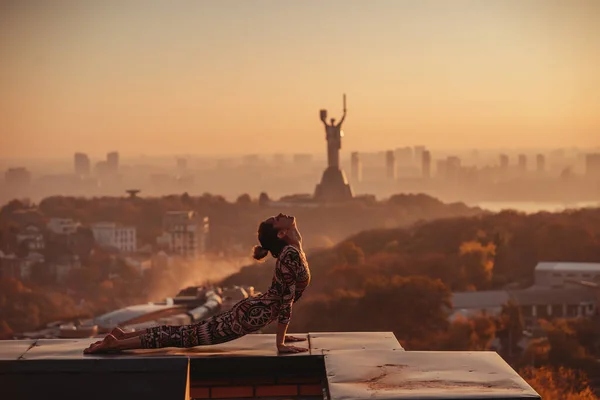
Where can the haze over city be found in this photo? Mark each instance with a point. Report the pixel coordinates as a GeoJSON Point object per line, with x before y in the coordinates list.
{"type": "Point", "coordinates": [231, 77]}
{"type": "Point", "coordinates": [429, 171]}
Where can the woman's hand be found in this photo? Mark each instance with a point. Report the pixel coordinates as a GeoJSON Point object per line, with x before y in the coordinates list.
{"type": "Point", "coordinates": [282, 348]}
{"type": "Point", "coordinates": [295, 339]}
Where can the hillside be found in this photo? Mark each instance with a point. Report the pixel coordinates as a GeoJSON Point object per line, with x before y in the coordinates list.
{"type": "Point", "coordinates": [481, 252]}
{"type": "Point", "coordinates": [233, 224]}
{"type": "Point", "coordinates": [418, 267]}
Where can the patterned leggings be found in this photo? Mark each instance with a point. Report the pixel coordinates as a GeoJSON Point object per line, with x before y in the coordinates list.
{"type": "Point", "coordinates": [213, 330]}
{"type": "Point", "coordinates": [247, 316]}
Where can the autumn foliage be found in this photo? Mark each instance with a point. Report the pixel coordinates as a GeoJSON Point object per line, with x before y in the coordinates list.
{"type": "Point", "coordinates": [398, 279]}
{"type": "Point", "coordinates": [401, 280]}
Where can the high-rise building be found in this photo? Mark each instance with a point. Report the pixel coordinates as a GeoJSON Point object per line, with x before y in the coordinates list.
{"type": "Point", "coordinates": [592, 165]}
{"type": "Point", "coordinates": [17, 176]}
{"type": "Point", "coordinates": [82, 164]}
{"type": "Point", "coordinates": [101, 168]}
{"type": "Point", "coordinates": [302, 159]}
{"type": "Point", "coordinates": [503, 161]}
{"type": "Point", "coordinates": [182, 164]}
{"type": "Point", "coordinates": [426, 164]}
{"type": "Point", "coordinates": [279, 158]}
{"type": "Point", "coordinates": [404, 155]}
{"type": "Point", "coordinates": [440, 168]}
{"type": "Point", "coordinates": [522, 162]}
{"type": "Point", "coordinates": [540, 163]}
{"type": "Point", "coordinates": [418, 152]}
{"type": "Point", "coordinates": [355, 167]}
{"type": "Point", "coordinates": [453, 165]}
{"type": "Point", "coordinates": [112, 162]}
{"type": "Point", "coordinates": [251, 160]}
{"type": "Point", "coordinates": [390, 164]}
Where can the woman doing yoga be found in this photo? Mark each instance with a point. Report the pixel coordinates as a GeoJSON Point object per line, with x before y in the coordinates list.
{"type": "Point", "coordinates": [277, 235]}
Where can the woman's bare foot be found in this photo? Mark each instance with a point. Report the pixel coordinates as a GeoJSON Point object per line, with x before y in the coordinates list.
{"type": "Point", "coordinates": [118, 333]}
{"type": "Point", "coordinates": [109, 344]}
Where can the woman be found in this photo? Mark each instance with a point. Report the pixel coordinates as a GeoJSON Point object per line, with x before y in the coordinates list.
{"type": "Point", "coordinates": [277, 235]}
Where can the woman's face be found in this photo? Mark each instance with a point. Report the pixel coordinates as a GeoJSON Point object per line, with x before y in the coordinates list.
{"type": "Point", "coordinates": [282, 222]}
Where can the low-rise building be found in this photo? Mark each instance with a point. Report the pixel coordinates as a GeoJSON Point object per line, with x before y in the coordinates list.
{"type": "Point", "coordinates": [9, 266]}
{"type": "Point", "coordinates": [62, 226]}
{"type": "Point", "coordinates": [185, 233]}
{"type": "Point", "coordinates": [470, 304]}
{"type": "Point", "coordinates": [110, 234]}
{"type": "Point", "coordinates": [561, 274]}
{"type": "Point", "coordinates": [559, 291]}
{"type": "Point", "coordinates": [64, 266]}
{"type": "Point", "coordinates": [33, 236]}
{"type": "Point", "coordinates": [551, 303]}
{"type": "Point", "coordinates": [26, 264]}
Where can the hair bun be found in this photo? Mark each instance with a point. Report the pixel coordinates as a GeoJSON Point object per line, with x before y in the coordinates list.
{"type": "Point", "coordinates": [259, 252]}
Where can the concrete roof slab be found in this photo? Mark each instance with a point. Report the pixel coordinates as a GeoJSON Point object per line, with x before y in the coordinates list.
{"type": "Point", "coordinates": [333, 341]}
{"type": "Point", "coordinates": [384, 374]}
{"type": "Point", "coordinates": [14, 349]}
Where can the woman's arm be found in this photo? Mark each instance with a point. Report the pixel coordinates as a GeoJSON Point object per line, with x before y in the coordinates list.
{"type": "Point", "coordinates": [286, 273]}
{"type": "Point", "coordinates": [281, 331]}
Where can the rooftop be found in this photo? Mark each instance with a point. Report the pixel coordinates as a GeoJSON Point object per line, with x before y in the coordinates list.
{"type": "Point", "coordinates": [568, 266]}
{"type": "Point", "coordinates": [349, 365]}
{"type": "Point", "coordinates": [544, 296]}
{"type": "Point", "coordinates": [124, 315]}
{"type": "Point", "coordinates": [480, 299]}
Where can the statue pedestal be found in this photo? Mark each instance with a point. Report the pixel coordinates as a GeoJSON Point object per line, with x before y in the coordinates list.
{"type": "Point", "coordinates": [334, 186]}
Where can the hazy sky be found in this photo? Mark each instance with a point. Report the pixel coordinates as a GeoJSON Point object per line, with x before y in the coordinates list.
{"type": "Point", "coordinates": [250, 76]}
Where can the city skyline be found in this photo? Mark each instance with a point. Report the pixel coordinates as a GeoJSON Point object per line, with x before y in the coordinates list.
{"type": "Point", "coordinates": [162, 80]}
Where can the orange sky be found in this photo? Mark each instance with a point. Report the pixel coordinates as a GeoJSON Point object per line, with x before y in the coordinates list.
{"type": "Point", "coordinates": [202, 77]}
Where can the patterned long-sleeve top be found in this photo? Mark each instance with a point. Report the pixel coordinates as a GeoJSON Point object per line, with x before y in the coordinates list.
{"type": "Point", "coordinates": [249, 315]}
{"type": "Point", "coordinates": [291, 277]}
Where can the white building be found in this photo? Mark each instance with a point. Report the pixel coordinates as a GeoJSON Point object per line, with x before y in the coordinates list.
{"type": "Point", "coordinates": [562, 274]}
{"type": "Point", "coordinates": [552, 303]}
{"type": "Point", "coordinates": [186, 233]}
{"type": "Point", "coordinates": [64, 266]}
{"type": "Point", "coordinates": [470, 304]}
{"type": "Point", "coordinates": [28, 263]}
{"type": "Point", "coordinates": [109, 234]}
{"type": "Point", "coordinates": [33, 236]}
{"type": "Point", "coordinates": [62, 226]}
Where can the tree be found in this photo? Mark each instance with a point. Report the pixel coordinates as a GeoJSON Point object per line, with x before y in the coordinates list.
{"type": "Point", "coordinates": [349, 253]}
{"type": "Point", "coordinates": [23, 248]}
{"type": "Point", "coordinates": [461, 335]}
{"type": "Point", "coordinates": [484, 328]}
{"type": "Point", "coordinates": [558, 384]}
{"type": "Point", "coordinates": [263, 199]}
{"type": "Point", "coordinates": [478, 263]}
{"type": "Point", "coordinates": [41, 274]}
{"type": "Point", "coordinates": [398, 303]}
{"type": "Point", "coordinates": [186, 199]}
{"type": "Point", "coordinates": [5, 332]}
{"type": "Point", "coordinates": [243, 199]}
{"type": "Point", "coordinates": [12, 206]}
{"type": "Point", "coordinates": [510, 329]}
{"type": "Point", "coordinates": [565, 348]}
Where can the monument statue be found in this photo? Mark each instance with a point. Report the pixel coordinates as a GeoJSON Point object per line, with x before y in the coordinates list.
{"type": "Point", "coordinates": [333, 135]}
{"type": "Point", "coordinates": [334, 185]}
